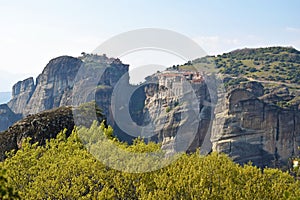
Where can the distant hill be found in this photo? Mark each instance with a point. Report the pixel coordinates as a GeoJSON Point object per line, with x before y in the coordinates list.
{"type": "Point", "coordinates": [5, 97]}
{"type": "Point", "coordinates": [272, 64]}
{"type": "Point", "coordinates": [280, 64]}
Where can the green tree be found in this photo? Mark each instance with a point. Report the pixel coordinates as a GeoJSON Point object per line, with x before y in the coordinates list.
{"type": "Point", "coordinates": [65, 169]}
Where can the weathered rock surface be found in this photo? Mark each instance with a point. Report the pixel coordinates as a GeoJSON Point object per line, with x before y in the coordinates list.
{"type": "Point", "coordinates": [54, 85]}
{"type": "Point", "coordinates": [21, 94]}
{"type": "Point", "coordinates": [39, 127]}
{"type": "Point", "coordinates": [248, 124]}
{"type": "Point", "coordinates": [180, 112]}
{"type": "Point", "coordinates": [47, 124]}
{"type": "Point", "coordinates": [59, 85]}
{"type": "Point", "coordinates": [255, 122]}
{"type": "Point", "coordinates": [248, 128]}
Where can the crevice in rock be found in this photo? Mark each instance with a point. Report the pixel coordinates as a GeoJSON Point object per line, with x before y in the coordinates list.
{"type": "Point", "coordinates": [277, 127]}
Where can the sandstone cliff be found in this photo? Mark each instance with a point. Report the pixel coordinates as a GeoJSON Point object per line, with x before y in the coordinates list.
{"type": "Point", "coordinates": [179, 110]}
{"type": "Point", "coordinates": [249, 126]}
{"type": "Point", "coordinates": [249, 123]}
{"type": "Point", "coordinates": [54, 86]}
{"type": "Point", "coordinates": [21, 94]}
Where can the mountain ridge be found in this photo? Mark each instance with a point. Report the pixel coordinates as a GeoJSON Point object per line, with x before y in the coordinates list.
{"type": "Point", "coordinates": [243, 73]}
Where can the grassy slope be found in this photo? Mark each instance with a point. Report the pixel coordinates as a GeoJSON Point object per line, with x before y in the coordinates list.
{"type": "Point", "coordinates": [281, 64]}
{"type": "Point", "coordinates": [272, 66]}
{"type": "Point", "coordinates": [269, 64]}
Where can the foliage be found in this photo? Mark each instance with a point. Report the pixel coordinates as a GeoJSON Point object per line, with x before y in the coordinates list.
{"type": "Point", "coordinates": [272, 63]}
{"type": "Point", "coordinates": [64, 169]}
{"type": "Point", "coordinates": [232, 82]}
{"type": "Point", "coordinates": [90, 107]}
{"type": "Point", "coordinates": [168, 109]}
{"type": "Point", "coordinates": [6, 192]}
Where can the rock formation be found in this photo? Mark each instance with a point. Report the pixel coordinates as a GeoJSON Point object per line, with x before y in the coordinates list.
{"type": "Point", "coordinates": [249, 126]}
{"type": "Point", "coordinates": [47, 124]}
{"type": "Point", "coordinates": [258, 120]}
{"type": "Point", "coordinates": [54, 87]}
{"type": "Point", "coordinates": [39, 127]}
{"type": "Point", "coordinates": [179, 109]}
{"type": "Point", "coordinates": [21, 94]}
{"type": "Point", "coordinates": [249, 123]}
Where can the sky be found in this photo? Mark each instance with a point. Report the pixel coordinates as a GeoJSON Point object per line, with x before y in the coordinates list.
{"type": "Point", "coordinates": [35, 31]}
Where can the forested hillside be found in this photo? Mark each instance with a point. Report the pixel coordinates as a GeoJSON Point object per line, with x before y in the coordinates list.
{"type": "Point", "coordinates": [64, 169]}
{"type": "Point", "coordinates": [271, 64]}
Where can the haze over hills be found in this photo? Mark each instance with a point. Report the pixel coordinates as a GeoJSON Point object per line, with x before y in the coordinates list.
{"type": "Point", "coordinates": [5, 97]}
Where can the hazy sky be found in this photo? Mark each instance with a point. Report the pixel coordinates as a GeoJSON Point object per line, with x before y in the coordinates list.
{"type": "Point", "coordinates": [34, 31]}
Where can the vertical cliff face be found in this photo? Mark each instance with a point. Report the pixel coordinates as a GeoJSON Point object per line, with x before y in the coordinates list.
{"type": "Point", "coordinates": [256, 122]}
{"type": "Point", "coordinates": [247, 123]}
{"type": "Point", "coordinates": [54, 85]}
{"type": "Point", "coordinates": [52, 89]}
{"type": "Point", "coordinates": [249, 127]}
{"type": "Point", "coordinates": [21, 94]}
{"type": "Point", "coordinates": [178, 107]}
{"type": "Point", "coordinates": [107, 83]}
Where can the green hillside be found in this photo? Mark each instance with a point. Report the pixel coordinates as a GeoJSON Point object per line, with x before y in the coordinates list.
{"type": "Point", "coordinates": [272, 64]}
{"type": "Point", "coordinates": [274, 67]}
{"type": "Point", "coordinates": [64, 169]}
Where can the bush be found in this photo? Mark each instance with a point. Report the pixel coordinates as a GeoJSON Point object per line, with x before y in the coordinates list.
{"type": "Point", "coordinates": [252, 69]}
{"type": "Point", "coordinates": [168, 109]}
{"type": "Point", "coordinates": [64, 169]}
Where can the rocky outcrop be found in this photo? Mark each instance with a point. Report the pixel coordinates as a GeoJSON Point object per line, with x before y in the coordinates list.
{"type": "Point", "coordinates": [54, 85]}
{"type": "Point", "coordinates": [21, 94]}
{"type": "Point", "coordinates": [250, 129]}
{"type": "Point", "coordinates": [7, 117]}
{"type": "Point", "coordinates": [59, 85]}
{"type": "Point", "coordinates": [39, 127]}
{"type": "Point", "coordinates": [52, 89]}
{"type": "Point", "coordinates": [180, 111]}
{"type": "Point", "coordinates": [249, 122]}
{"type": "Point", "coordinates": [257, 121]}
{"type": "Point", "coordinates": [46, 125]}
